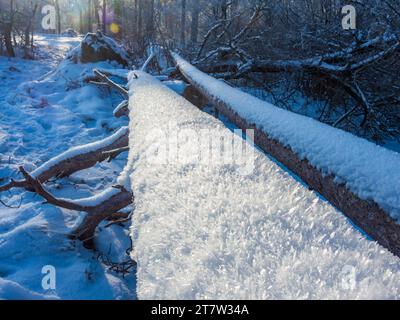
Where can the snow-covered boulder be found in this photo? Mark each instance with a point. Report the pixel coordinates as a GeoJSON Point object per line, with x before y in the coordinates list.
{"type": "Point", "coordinates": [98, 47]}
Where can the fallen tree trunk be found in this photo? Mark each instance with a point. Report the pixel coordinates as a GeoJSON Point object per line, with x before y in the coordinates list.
{"type": "Point", "coordinates": [366, 214]}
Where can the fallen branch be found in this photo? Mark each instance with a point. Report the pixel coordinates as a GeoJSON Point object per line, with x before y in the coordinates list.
{"type": "Point", "coordinates": [122, 109]}
{"type": "Point", "coordinates": [119, 221]}
{"type": "Point", "coordinates": [97, 208]}
{"type": "Point", "coordinates": [11, 207]}
{"type": "Point", "coordinates": [41, 191]}
{"type": "Point", "coordinates": [76, 159]}
{"type": "Point", "coordinates": [14, 184]}
{"type": "Point", "coordinates": [112, 154]}
{"type": "Point", "coordinates": [123, 267]}
{"type": "Point", "coordinates": [149, 59]}
{"type": "Point", "coordinates": [111, 83]}
{"type": "Point", "coordinates": [119, 73]}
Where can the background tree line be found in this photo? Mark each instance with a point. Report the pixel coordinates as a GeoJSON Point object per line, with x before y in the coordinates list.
{"type": "Point", "coordinates": [292, 53]}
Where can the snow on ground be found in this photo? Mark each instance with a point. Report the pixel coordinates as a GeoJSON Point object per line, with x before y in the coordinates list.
{"type": "Point", "coordinates": [45, 110]}
{"type": "Point", "coordinates": [370, 171]}
{"type": "Point", "coordinates": [214, 229]}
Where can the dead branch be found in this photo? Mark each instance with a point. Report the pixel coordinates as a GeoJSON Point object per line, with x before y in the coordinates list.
{"type": "Point", "coordinates": [118, 216]}
{"type": "Point", "coordinates": [123, 267]}
{"type": "Point", "coordinates": [41, 191]}
{"type": "Point", "coordinates": [124, 218]}
{"type": "Point", "coordinates": [96, 212]}
{"type": "Point", "coordinates": [149, 59]}
{"type": "Point", "coordinates": [14, 184]}
{"type": "Point", "coordinates": [75, 160]}
{"type": "Point", "coordinates": [122, 109]}
{"type": "Point", "coordinates": [112, 154]}
{"type": "Point", "coordinates": [111, 83]}
{"type": "Point", "coordinates": [11, 207]}
{"type": "Point", "coordinates": [111, 73]}
{"type": "Point", "coordinates": [213, 29]}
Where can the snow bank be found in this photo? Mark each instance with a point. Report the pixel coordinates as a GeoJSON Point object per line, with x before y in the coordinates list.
{"type": "Point", "coordinates": [370, 171]}
{"type": "Point", "coordinates": [209, 230]}
{"type": "Point", "coordinates": [10, 290]}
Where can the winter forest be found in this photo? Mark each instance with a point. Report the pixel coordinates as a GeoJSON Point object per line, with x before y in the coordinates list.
{"type": "Point", "coordinates": [192, 149]}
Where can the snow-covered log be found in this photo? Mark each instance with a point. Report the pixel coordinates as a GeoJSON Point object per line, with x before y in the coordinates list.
{"type": "Point", "coordinates": [357, 176]}
{"type": "Point", "coordinates": [76, 159]}
{"type": "Point", "coordinates": [210, 226]}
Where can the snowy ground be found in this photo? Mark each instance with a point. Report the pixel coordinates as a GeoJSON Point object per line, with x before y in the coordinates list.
{"type": "Point", "coordinates": [45, 111]}
{"type": "Point", "coordinates": [209, 230]}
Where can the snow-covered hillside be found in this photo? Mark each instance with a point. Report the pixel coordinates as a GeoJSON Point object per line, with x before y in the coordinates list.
{"type": "Point", "coordinates": [45, 110]}
{"type": "Point", "coordinates": [209, 230]}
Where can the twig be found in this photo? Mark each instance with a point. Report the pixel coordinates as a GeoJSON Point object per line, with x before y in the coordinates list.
{"type": "Point", "coordinates": [111, 83]}
{"type": "Point", "coordinates": [11, 207]}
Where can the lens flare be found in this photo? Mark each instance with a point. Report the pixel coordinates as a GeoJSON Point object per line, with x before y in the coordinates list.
{"type": "Point", "coordinates": [114, 28]}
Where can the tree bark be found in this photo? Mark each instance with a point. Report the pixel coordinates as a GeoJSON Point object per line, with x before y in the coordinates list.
{"type": "Point", "coordinates": [90, 22]}
{"type": "Point", "coordinates": [8, 40]}
{"type": "Point", "coordinates": [58, 16]}
{"type": "Point", "coordinates": [194, 32]}
{"type": "Point", "coordinates": [183, 22]}
{"type": "Point", "coordinates": [104, 18]}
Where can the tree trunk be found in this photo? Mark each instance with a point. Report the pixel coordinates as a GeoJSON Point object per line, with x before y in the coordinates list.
{"type": "Point", "coordinates": [28, 31]}
{"type": "Point", "coordinates": [8, 32]}
{"type": "Point", "coordinates": [140, 22]}
{"type": "Point", "coordinates": [80, 20]}
{"type": "Point", "coordinates": [90, 23]}
{"type": "Point", "coordinates": [150, 21]}
{"type": "Point", "coordinates": [104, 18]}
{"type": "Point", "coordinates": [183, 22]}
{"type": "Point", "coordinates": [58, 16]}
{"type": "Point", "coordinates": [96, 8]}
{"type": "Point", "coordinates": [8, 40]}
{"type": "Point", "coordinates": [195, 21]}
